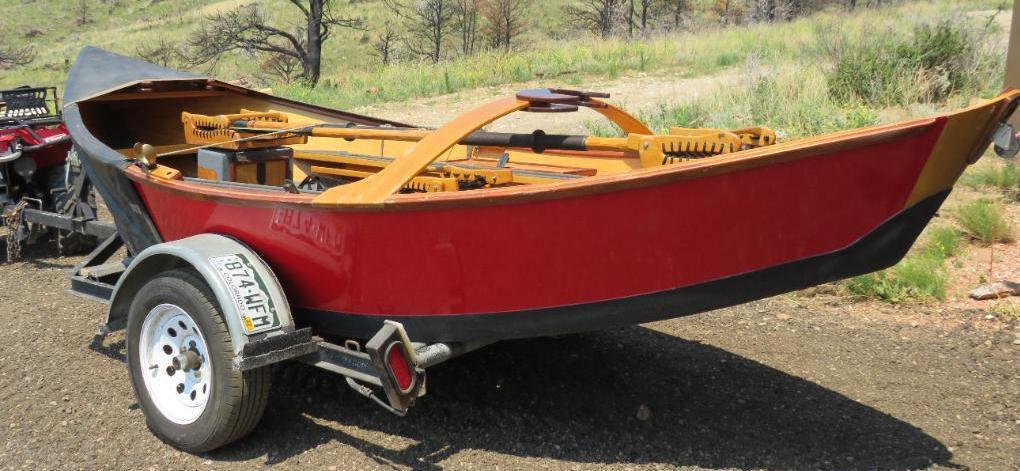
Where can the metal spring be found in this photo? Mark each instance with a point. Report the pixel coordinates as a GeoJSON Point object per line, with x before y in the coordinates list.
{"type": "Point", "coordinates": [700, 149]}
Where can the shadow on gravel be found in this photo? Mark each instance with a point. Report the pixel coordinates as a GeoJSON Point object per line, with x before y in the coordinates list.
{"type": "Point", "coordinates": [576, 399]}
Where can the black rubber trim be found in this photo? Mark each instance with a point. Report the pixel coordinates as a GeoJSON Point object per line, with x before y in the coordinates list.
{"type": "Point", "coordinates": [879, 249]}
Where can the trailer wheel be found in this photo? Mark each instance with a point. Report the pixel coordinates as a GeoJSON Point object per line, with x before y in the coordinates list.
{"type": "Point", "coordinates": [180, 363]}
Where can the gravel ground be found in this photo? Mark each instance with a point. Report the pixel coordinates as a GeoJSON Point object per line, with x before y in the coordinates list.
{"type": "Point", "coordinates": [793, 382]}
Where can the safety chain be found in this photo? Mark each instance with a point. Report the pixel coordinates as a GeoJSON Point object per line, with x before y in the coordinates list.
{"type": "Point", "coordinates": [13, 226]}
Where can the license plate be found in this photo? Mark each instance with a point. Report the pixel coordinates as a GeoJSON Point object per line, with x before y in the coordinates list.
{"type": "Point", "coordinates": [249, 293]}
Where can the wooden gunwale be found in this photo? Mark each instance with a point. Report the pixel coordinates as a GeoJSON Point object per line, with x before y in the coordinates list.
{"type": "Point", "coordinates": [639, 178]}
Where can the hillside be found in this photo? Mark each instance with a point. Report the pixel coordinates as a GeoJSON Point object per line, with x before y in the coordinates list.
{"type": "Point", "coordinates": [124, 26]}
{"type": "Point", "coordinates": [353, 77]}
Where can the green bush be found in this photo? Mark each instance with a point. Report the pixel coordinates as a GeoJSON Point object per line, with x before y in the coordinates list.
{"type": "Point", "coordinates": [1003, 177]}
{"type": "Point", "coordinates": [727, 59]}
{"type": "Point", "coordinates": [983, 220]}
{"type": "Point", "coordinates": [890, 68]}
{"type": "Point", "coordinates": [943, 241]}
{"type": "Point", "coordinates": [921, 275]}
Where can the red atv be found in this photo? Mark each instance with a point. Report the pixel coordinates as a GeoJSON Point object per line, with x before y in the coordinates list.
{"type": "Point", "coordinates": [34, 168]}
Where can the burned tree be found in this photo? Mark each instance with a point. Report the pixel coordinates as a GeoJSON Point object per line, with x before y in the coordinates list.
{"type": "Point", "coordinates": [385, 43]}
{"type": "Point", "coordinates": [164, 52]}
{"type": "Point", "coordinates": [428, 24]}
{"type": "Point", "coordinates": [646, 8]}
{"type": "Point", "coordinates": [11, 56]}
{"type": "Point", "coordinates": [84, 13]}
{"type": "Point", "coordinates": [678, 9]}
{"type": "Point", "coordinates": [247, 29]}
{"type": "Point", "coordinates": [504, 21]}
{"type": "Point", "coordinates": [466, 22]}
{"type": "Point", "coordinates": [281, 67]}
{"type": "Point", "coordinates": [597, 16]}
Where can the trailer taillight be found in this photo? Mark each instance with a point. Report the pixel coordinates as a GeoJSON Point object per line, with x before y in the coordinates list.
{"type": "Point", "coordinates": [399, 366]}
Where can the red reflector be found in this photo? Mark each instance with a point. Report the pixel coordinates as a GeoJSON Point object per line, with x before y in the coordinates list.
{"type": "Point", "coordinates": [398, 366]}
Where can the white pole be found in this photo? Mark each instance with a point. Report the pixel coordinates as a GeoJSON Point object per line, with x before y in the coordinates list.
{"type": "Point", "coordinates": [1013, 57]}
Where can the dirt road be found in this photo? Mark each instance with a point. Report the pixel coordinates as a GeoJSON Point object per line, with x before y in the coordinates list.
{"type": "Point", "coordinates": [793, 382]}
{"type": "Point", "coordinates": [635, 93]}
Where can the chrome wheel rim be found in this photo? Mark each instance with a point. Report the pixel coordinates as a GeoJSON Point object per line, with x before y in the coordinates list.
{"type": "Point", "coordinates": [174, 362]}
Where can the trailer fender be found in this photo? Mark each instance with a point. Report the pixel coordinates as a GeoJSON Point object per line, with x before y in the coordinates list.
{"type": "Point", "coordinates": [249, 294]}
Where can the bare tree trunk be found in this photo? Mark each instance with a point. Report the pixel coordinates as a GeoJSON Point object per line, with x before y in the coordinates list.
{"type": "Point", "coordinates": [630, 19]}
{"type": "Point", "coordinates": [312, 60]}
{"type": "Point", "coordinates": [645, 5]}
{"type": "Point", "coordinates": [467, 24]}
{"type": "Point", "coordinates": [248, 29]}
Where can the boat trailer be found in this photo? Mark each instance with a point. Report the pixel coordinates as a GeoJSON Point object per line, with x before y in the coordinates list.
{"type": "Point", "coordinates": [388, 361]}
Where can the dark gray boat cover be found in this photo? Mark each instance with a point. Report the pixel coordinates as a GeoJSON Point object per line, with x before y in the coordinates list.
{"type": "Point", "coordinates": [94, 73]}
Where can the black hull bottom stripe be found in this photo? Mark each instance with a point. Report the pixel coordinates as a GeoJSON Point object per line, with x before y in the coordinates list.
{"type": "Point", "coordinates": [881, 248]}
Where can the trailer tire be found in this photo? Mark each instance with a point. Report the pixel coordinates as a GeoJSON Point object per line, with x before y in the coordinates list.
{"type": "Point", "coordinates": [235, 400]}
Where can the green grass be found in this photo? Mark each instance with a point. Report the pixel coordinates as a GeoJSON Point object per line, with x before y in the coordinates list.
{"type": "Point", "coordinates": [1006, 310]}
{"type": "Point", "coordinates": [943, 241]}
{"type": "Point", "coordinates": [794, 103]}
{"type": "Point", "coordinates": [921, 275]}
{"type": "Point", "coordinates": [1005, 178]}
{"type": "Point", "coordinates": [984, 221]}
{"type": "Point", "coordinates": [820, 96]}
{"type": "Point", "coordinates": [352, 77]}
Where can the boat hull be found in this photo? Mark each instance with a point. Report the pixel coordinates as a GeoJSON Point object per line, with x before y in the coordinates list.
{"type": "Point", "coordinates": [589, 261]}
{"type": "Point", "coordinates": [880, 249]}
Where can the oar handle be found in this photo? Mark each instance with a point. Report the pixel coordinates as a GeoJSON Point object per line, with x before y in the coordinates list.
{"type": "Point", "coordinates": [537, 141]}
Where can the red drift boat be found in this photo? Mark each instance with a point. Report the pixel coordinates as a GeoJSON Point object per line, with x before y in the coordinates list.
{"type": "Point", "coordinates": [589, 234]}
{"type": "Point", "coordinates": [252, 221]}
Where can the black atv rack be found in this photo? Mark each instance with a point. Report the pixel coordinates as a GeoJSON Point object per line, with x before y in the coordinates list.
{"type": "Point", "coordinates": [28, 103]}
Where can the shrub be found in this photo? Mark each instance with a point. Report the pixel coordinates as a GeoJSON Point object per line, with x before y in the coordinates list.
{"type": "Point", "coordinates": [943, 241]}
{"type": "Point", "coordinates": [1003, 177]}
{"type": "Point", "coordinates": [887, 69]}
{"type": "Point", "coordinates": [983, 220]}
{"type": "Point", "coordinates": [728, 58]}
{"type": "Point", "coordinates": [921, 275]}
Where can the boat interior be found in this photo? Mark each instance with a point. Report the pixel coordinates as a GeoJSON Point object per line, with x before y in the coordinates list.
{"type": "Point", "coordinates": [216, 133]}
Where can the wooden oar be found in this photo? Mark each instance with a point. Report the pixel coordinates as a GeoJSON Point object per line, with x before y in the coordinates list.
{"type": "Point", "coordinates": [537, 141]}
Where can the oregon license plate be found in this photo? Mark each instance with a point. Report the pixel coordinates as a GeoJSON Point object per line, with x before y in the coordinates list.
{"type": "Point", "coordinates": [249, 293]}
